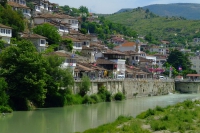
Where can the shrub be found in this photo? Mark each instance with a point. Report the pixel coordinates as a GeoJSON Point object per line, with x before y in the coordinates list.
{"type": "Point", "coordinates": [84, 85]}
{"type": "Point", "coordinates": [119, 96]}
{"type": "Point", "coordinates": [5, 109]}
{"type": "Point", "coordinates": [156, 126]}
{"type": "Point", "coordinates": [146, 114]}
{"type": "Point", "coordinates": [73, 99]}
{"type": "Point", "coordinates": [95, 98]}
{"type": "Point", "coordinates": [104, 94]}
{"type": "Point", "coordinates": [87, 100]}
{"type": "Point", "coordinates": [158, 108]}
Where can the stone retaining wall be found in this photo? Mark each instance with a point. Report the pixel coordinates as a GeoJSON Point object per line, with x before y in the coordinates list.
{"type": "Point", "coordinates": [143, 87]}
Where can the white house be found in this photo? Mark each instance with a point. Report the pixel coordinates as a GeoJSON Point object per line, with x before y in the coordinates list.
{"type": "Point", "coordinates": [5, 33]}
{"type": "Point", "coordinates": [153, 58]}
{"type": "Point", "coordinates": [158, 49]}
{"type": "Point", "coordinates": [70, 60]}
{"type": "Point", "coordinates": [60, 18]}
{"type": "Point", "coordinates": [38, 40]}
{"type": "Point", "coordinates": [195, 60]}
{"type": "Point", "coordinates": [20, 5]}
{"type": "Point", "coordinates": [119, 59]}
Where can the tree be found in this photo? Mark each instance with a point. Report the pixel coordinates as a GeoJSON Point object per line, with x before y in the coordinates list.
{"type": "Point", "coordinates": [68, 44]}
{"type": "Point", "coordinates": [59, 82]}
{"type": "Point", "coordinates": [24, 70]}
{"type": "Point", "coordinates": [84, 85]}
{"type": "Point", "coordinates": [3, 3]}
{"type": "Point", "coordinates": [3, 96]}
{"type": "Point", "coordinates": [83, 9]}
{"type": "Point", "coordinates": [13, 19]}
{"type": "Point", "coordinates": [49, 31]}
{"type": "Point", "coordinates": [178, 59]}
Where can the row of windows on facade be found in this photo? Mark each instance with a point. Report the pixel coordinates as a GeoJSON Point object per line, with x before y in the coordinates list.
{"type": "Point", "coordinates": [5, 31]}
{"type": "Point", "coordinates": [22, 2]}
{"type": "Point", "coordinates": [77, 45]}
{"type": "Point", "coordinates": [194, 66]}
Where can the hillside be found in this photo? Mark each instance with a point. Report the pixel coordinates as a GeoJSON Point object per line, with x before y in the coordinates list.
{"type": "Point", "coordinates": [144, 22]}
{"type": "Point", "coordinates": [187, 10]}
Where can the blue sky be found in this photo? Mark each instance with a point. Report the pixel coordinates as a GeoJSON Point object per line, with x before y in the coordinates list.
{"type": "Point", "coordinates": [111, 6]}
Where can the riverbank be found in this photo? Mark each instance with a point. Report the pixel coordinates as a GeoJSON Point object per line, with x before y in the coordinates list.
{"type": "Point", "coordinates": [182, 117]}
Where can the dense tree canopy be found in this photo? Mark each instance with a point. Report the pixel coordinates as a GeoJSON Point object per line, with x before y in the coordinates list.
{"type": "Point", "coordinates": [49, 31]}
{"type": "Point", "coordinates": [180, 60]}
{"type": "Point", "coordinates": [59, 82]}
{"type": "Point", "coordinates": [13, 19]}
{"type": "Point", "coordinates": [24, 70]}
{"type": "Point", "coordinates": [106, 28]}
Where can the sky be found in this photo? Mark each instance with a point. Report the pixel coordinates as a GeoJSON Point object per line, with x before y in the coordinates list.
{"type": "Point", "coordinates": [112, 6]}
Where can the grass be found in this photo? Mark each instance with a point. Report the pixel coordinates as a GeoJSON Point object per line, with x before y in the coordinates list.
{"type": "Point", "coordinates": [182, 117]}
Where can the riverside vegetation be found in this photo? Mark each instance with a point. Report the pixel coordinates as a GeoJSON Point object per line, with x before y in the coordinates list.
{"type": "Point", "coordinates": [182, 117]}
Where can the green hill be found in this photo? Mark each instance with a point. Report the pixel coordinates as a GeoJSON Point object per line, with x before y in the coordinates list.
{"type": "Point", "coordinates": [187, 10]}
{"type": "Point", "coordinates": [144, 22]}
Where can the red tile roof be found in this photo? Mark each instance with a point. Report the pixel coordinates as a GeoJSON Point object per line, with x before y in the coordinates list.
{"type": "Point", "coordinates": [128, 44]}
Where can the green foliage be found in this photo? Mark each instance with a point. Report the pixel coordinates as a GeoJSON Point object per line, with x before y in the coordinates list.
{"type": "Point", "coordinates": [73, 99]}
{"type": "Point", "coordinates": [178, 59]}
{"type": "Point", "coordinates": [68, 44]}
{"type": "Point", "coordinates": [146, 114]}
{"type": "Point", "coordinates": [104, 94]}
{"type": "Point", "coordinates": [84, 86]}
{"type": "Point", "coordinates": [24, 70]}
{"type": "Point", "coordinates": [3, 3]}
{"type": "Point", "coordinates": [3, 96]}
{"type": "Point", "coordinates": [59, 82]}
{"type": "Point", "coordinates": [5, 109]}
{"type": "Point", "coordinates": [111, 45]}
{"type": "Point", "coordinates": [176, 29]}
{"type": "Point", "coordinates": [2, 44]}
{"type": "Point", "coordinates": [87, 100]}
{"type": "Point", "coordinates": [49, 31]}
{"type": "Point", "coordinates": [119, 126]}
{"type": "Point", "coordinates": [119, 96]}
{"type": "Point", "coordinates": [83, 9]}
{"type": "Point", "coordinates": [107, 28]}
{"type": "Point", "coordinates": [13, 19]}
{"type": "Point", "coordinates": [74, 11]}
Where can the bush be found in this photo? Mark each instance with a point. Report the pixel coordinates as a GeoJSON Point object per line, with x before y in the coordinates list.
{"type": "Point", "coordinates": [5, 109]}
{"type": "Point", "coordinates": [73, 99]}
{"type": "Point", "coordinates": [87, 100]}
{"type": "Point", "coordinates": [119, 96]}
{"type": "Point", "coordinates": [84, 85]}
{"type": "Point", "coordinates": [95, 98]}
{"type": "Point", "coordinates": [104, 94]}
{"type": "Point", "coordinates": [158, 108]}
{"type": "Point", "coordinates": [146, 114]}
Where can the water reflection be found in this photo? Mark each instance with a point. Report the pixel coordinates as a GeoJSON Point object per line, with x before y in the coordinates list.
{"type": "Point", "coordinates": [81, 117]}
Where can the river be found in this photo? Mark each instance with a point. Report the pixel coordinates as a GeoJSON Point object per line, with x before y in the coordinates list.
{"type": "Point", "coordinates": [78, 118]}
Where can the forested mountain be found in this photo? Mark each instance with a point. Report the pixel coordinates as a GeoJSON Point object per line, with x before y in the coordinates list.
{"type": "Point", "coordinates": [186, 10]}
{"type": "Point", "coordinates": [171, 28]}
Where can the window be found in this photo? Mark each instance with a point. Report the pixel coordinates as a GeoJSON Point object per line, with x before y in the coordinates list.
{"type": "Point", "coordinates": [7, 31]}
{"type": "Point", "coordinates": [42, 41]}
{"type": "Point", "coordinates": [3, 31]}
